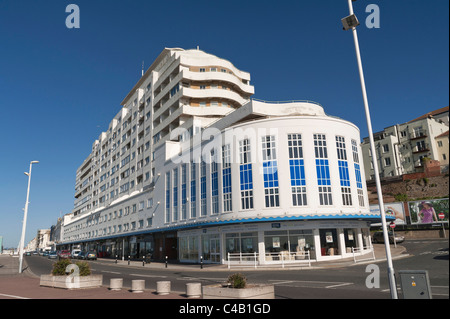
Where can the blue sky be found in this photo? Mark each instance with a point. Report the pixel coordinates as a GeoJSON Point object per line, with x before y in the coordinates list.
{"type": "Point", "coordinates": [61, 87]}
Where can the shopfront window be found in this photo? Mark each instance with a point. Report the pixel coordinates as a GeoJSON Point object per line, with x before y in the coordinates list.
{"type": "Point", "coordinates": [366, 238]}
{"type": "Point", "coordinates": [329, 242]}
{"type": "Point", "coordinates": [302, 242]}
{"type": "Point", "coordinates": [276, 241]}
{"type": "Point", "coordinates": [350, 239]}
{"type": "Point", "coordinates": [188, 248]}
{"type": "Point", "coordinates": [290, 244]}
{"type": "Point", "coordinates": [241, 243]}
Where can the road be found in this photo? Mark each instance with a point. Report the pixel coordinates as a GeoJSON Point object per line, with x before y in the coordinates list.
{"type": "Point", "coordinates": [329, 283]}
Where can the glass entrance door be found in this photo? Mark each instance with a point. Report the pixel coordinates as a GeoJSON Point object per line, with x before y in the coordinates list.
{"type": "Point", "coordinates": [215, 250]}
{"type": "Point", "coordinates": [211, 249]}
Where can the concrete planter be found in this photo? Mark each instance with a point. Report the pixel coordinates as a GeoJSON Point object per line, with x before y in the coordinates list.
{"type": "Point", "coordinates": [71, 282]}
{"type": "Point", "coordinates": [249, 292]}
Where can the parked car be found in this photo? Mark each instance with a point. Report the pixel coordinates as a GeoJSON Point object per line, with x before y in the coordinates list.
{"type": "Point", "coordinates": [75, 253]}
{"type": "Point", "coordinates": [92, 255]}
{"type": "Point", "coordinates": [64, 254]}
{"type": "Point", "coordinates": [378, 237]}
{"type": "Point", "coordinates": [52, 255]}
{"type": "Point", "coordinates": [27, 253]}
{"type": "Point", "coordinates": [82, 255]}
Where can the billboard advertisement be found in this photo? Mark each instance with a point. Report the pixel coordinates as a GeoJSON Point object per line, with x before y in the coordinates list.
{"type": "Point", "coordinates": [392, 209]}
{"type": "Point", "coordinates": [428, 211]}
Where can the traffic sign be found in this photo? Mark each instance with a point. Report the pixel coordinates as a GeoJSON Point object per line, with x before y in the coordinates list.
{"type": "Point", "coordinates": [392, 225]}
{"type": "Point", "coordinates": [441, 216]}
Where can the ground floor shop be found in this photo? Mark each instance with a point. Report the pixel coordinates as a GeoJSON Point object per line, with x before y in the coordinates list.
{"type": "Point", "coordinates": [155, 246]}
{"type": "Point", "coordinates": [253, 242]}
{"type": "Point", "coordinates": [275, 242]}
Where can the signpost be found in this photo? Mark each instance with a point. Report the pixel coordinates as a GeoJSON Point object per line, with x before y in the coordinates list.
{"type": "Point", "coordinates": [392, 225]}
{"type": "Point", "coordinates": [441, 217]}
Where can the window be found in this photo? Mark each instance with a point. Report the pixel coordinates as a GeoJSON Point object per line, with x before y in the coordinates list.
{"type": "Point", "coordinates": [359, 185]}
{"type": "Point", "coordinates": [226, 177]}
{"type": "Point", "coordinates": [203, 188]}
{"type": "Point", "coordinates": [175, 194]}
{"type": "Point", "coordinates": [343, 171]}
{"type": "Point", "coordinates": [297, 170]}
{"type": "Point", "coordinates": [168, 213]}
{"type": "Point", "coordinates": [322, 170]}
{"type": "Point", "coordinates": [245, 174]}
{"type": "Point", "coordinates": [385, 148]}
{"type": "Point", "coordinates": [214, 184]}
{"type": "Point", "coordinates": [175, 89]}
{"type": "Point", "coordinates": [183, 191]}
{"type": "Point", "coordinates": [387, 161]}
{"type": "Point", "coordinates": [193, 197]}
{"type": "Point", "coordinates": [270, 171]}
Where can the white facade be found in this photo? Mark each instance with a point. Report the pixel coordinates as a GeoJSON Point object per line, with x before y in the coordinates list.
{"type": "Point", "coordinates": [202, 172]}
{"type": "Point", "coordinates": [400, 148]}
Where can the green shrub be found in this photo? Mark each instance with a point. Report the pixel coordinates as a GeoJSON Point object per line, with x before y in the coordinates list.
{"type": "Point", "coordinates": [84, 267]}
{"type": "Point", "coordinates": [237, 281]}
{"type": "Point", "coordinates": [59, 267]}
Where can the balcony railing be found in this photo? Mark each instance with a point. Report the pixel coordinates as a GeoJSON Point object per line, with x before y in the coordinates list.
{"type": "Point", "coordinates": [421, 148]}
{"type": "Point", "coordinates": [416, 134]}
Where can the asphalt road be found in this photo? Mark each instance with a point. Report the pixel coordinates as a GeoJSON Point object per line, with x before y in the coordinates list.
{"type": "Point", "coordinates": [329, 283]}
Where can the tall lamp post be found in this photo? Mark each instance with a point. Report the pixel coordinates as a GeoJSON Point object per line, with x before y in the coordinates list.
{"type": "Point", "coordinates": [351, 22]}
{"type": "Point", "coordinates": [24, 224]}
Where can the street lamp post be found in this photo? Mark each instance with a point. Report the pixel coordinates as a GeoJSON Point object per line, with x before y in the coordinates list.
{"type": "Point", "coordinates": [351, 22]}
{"type": "Point", "coordinates": [24, 224]}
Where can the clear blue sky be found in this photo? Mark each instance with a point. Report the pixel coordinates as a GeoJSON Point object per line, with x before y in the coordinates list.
{"type": "Point", "coordinates": [61, 87]}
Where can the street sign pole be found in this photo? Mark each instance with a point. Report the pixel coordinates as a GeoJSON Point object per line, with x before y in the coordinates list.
{"type": "Point", "coordinates": [392, 225]}
{"type": "Point", "coordinates": [441, 217]}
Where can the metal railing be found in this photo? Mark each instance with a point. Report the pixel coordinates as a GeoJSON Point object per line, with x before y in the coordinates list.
{"type": "Point", "coordinates": [277, 258]}
{"type": "Point", "coordinates": [358, 251]}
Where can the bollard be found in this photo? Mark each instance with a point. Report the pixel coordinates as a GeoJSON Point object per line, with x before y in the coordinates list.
{"type": "Point", "coordinates": [128, 260]}
{"type": "Point", "coordinates": [163, 287]}
{"type": "Point", "coordinates": [137, 286]}
{"type": "Point", "coordinates": [116, 284]}
{"type": "Point", "coordinates": [116, 259]}
{"type": "Point", "coordinates": [143, 261]}
{"type": "Point", "coordinates": [194, 290]}
{"type": "Point", "coordinates": [166, 261]}
{"type": "Point", "coordinates": [201, 262]}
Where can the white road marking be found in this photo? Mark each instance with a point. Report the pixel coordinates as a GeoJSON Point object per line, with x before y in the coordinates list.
{"type": "Point", "coordinates": [111, 272]}
{"type": "Point", "coordinates": [150, 276]}
{"type": "Point", "coordinates": [12, 296]}
{"type": "Point", "coordinates": [318, 284]}
{"type": "Point", "coordinates": [340, 285]}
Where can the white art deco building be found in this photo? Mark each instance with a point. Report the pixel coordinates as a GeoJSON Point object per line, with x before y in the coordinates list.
{"type": "Point", "coordinates": [193, 169]}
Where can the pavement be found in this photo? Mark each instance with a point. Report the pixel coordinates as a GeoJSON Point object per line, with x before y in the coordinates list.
{"type": "Point", "coordinates": [27, 285]}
